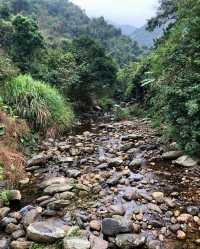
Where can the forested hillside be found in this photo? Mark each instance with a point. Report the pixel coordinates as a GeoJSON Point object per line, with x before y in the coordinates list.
{"type": "Point", "coordinates": [61, 19]}
{"type": "Point", "coordinates": [145, 37]}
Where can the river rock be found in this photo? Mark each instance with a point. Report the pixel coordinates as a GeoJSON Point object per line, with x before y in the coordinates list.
{"type": "Point", "coordinates": [4, 212]}
{"type": "Point", "coordinates": [10, 228]}
{"type": "Point", "coordinates": [158, 196]}
{"type": "Point", "coordinates": [57, 188]}
{"type": "Point", "coordinates": [76, 243]}
{"type": "Point", "coordinates": [47, 231]}
{"type": "Point", "coordinates": [66, 195]}
{"type": "Point", "coordinates": [20, 244]}
{"type": "Point", "coordinates": [172, 155]}
{"type": "Point", "coordinates": [98, 243]}
{"type": "Point", "coordinates": [129, 241]}
{"type": "Point", "coordinates": [15, 195]}
{"type": "Point", "coordinates": [115, 162]}
{"type": "Point", "coordinates": [40, 159]}
{"type": "Point", "coordinates": [74, 173]}
{"type": "Point", "coordinates": [186, 161]}
{"type": "Point", "coordinates": [31, 216]}
{"type": "Point", "coordinates": [18, 234]}
{"type": "Point", "coordinates": [52, 181]}
{"type": "Point", "coordinates": [136, 163]}
{"type": "Point", "coordinates": [131, 137]}
{"type": "Point", "coordinates": [4, 243]}
{"type": "Point", "coordinates": [114, 226]}
{"type": "Point", "coordinates": [193, 210]}
{"type": "Point", "coordinates": [181, 235]}
{"type": "Point", "coordinates": [154, 244]}
{"type": "Point", "coordinates": [95, 225]}
{"type": "Point", "coordinates": [184, 218]}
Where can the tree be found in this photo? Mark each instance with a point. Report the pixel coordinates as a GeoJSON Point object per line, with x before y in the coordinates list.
{"type": "Point", "coordinates": [27, 40]}
{"type": "Point", "coordinates": [166, 14]}
{"type": "Point", "coordinates": [176, 69]}
{"type": "Point", "coordinates": [97, 72]}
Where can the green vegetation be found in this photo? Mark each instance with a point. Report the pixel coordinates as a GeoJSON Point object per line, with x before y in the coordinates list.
{"type": "Point", "coordinates": [37, 102]}
{"type": "Point", "coordinates": [61, 19]}
{"type": "Point", "coordinates": [167, 82]}
{"type": "Point", "coordinates": [5, 197]}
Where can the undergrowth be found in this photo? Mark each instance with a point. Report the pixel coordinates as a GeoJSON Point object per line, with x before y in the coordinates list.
{"type": "Point", "coordinates": [39, 103]}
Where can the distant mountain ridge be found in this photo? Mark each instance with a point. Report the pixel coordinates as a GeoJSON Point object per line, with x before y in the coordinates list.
{"type": "Point", "coordinates": [144, 37]}
{"type": "Point", "coordinates": [141, 35]}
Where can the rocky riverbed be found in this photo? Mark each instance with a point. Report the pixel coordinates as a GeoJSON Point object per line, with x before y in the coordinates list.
{"type": "Point", "coordinates": [114, 186]}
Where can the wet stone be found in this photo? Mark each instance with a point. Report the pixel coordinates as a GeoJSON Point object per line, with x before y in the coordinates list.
{"type": "Point", "coordinates": [111, 226]}
{"type": "Point", "coordinates": [129, 241]}
{"type": "Point", "coordinates": [4, 243]}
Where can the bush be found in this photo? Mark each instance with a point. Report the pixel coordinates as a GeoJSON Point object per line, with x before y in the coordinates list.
{"type": "Point", "coordinates": [39, 103]}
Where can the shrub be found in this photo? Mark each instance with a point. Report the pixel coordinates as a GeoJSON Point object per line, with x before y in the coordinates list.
{"type": "Point", "coordinates": [39, 103]}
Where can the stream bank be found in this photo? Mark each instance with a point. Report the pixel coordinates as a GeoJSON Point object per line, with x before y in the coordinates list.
{"type": "Point", "coordinates": [109, 187]}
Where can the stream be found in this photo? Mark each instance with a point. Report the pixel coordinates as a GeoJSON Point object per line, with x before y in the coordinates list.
{"type": "Point", "coordinates": [112, 183]}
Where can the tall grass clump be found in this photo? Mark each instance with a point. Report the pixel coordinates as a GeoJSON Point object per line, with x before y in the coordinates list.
{"type": "Point", "coordinates": [38, 102]}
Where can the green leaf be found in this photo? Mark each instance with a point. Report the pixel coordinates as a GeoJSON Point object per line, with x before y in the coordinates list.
{"type": "Point", "coordinates": [2, 130]}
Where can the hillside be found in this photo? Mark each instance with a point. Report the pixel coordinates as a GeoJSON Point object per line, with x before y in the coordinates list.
{"type": "Point", "coordinates": [60, 19]}
{"type": "Point", "coordinates": [127, 29]}
{"type": "Point", "coordinates": [144, 37]}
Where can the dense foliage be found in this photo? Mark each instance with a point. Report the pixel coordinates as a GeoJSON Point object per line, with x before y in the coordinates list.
{"type": "Point", "coordinates": [37, 102]}
{"type": "Point", "coordinates": [60, 19]}
{"type": "Point", "coordinates": [171, 75]}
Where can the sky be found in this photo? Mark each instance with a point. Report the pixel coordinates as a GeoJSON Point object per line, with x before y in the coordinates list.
{"type": "Point", "coordinates": [131, 12]}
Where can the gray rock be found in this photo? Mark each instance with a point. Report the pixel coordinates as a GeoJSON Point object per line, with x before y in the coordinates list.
{"type": "Point", "coordinates": [4, 243]}
{"type": "Point", "coordinates": [76, 243]}
{"type": "Point", "coordinates": [114, 180]}
{"type": "Point", "coordinates": [57, 188]}
{"type": "Point", "coordinates": [18, 234]}
{"type": "Point", "coordinates": [65, 195]}
{"type": "Point", "coordinates": [115, 162]}
{"type": "Point", "coordinates": [154, 244]}
{"type": "Point", "coordinates": [98, 243]}
{"type": "Point", "coordinates": [4, 212]}
{"type": "Point", "coordinates": [74, 173]}
{"type": "Point", "coordinates": [52, 181]}
{"type": "Point", "coordinates": [59, 204]}
{"type": "Point", "coordinates": [131, 137]}
{"type": "Point", "coordinates": [6, 220]}
{"type": "Point", "coordinates": [47, 231]}
{"type": "Point", "coordinates": [193, 210]}
{"type": "Point", "coordinates": [20, 244]}
{"type": "Point", "coordinates": [172, 155]}
{"type": "Point", "coordinates": [129, 241]}
{"type": "Point", "coordinates": [37, 160]}
{"type": "Point", "coordinates": [186, 161]}
{"type": "Point", "coordinates": [136, 163]}
{"type": "Point", "coordinates": [31, 216]}
{"type": "Point", "coordinates": [15, 195]}
{"type": "Point", "coordinates": [114, 226]}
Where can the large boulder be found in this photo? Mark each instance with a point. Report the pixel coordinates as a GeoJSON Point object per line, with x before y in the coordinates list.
{"type": "Point", "coordinates": [40, 159]}
{"type": "Point", "coordinates": [57, 188]}
{"type": "Point", "coordinates": [129, 241]}
{"type": "Point", "coordinates": [76, 243]}
{"type": "Point", "coordinates": [172, 155]}
{"type": "Point", "coordinates": [17, 244]}
{"type": "Point", "coordinates": [52, 181]}
{"type": "Point", "coordinates": [47, 231]}
{"type": "Point", "coordinates": [98, 243]}
{"type": "Point", "coordinates": [116, 225]}
{"type": "Point", "coordinates": [186, 161]}
{"type": "Point", "coordinates": [15, 195]}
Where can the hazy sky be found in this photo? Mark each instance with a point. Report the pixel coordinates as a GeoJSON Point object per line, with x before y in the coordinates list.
{"type": "Point", "coordinates": [133, 12]}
